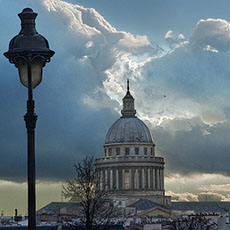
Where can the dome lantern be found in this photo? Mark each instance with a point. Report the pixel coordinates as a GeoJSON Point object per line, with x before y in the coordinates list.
{"type": "Point", "coordinates": [128, 104]}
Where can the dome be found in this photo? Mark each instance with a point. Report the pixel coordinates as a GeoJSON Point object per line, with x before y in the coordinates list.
{"type": "Point", "coordinates": [129, 130]}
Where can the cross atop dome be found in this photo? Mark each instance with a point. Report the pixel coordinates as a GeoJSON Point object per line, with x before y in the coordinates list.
{"type": "Point", "coordinates": [128, 104]}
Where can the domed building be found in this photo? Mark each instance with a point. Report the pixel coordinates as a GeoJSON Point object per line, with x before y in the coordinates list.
{"type": "Point", "coordinates": [130, 170]}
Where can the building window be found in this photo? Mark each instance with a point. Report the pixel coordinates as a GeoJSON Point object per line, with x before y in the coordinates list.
{"type": "Point", "coordinates": [105, 152]}
{"type": "Point", "coordinates": [118, 151]}
{"type": "Point", "coordinates": [110, 152]}
{"type": "Point", "coordinates": [126, 151]}
{"type": "Point", "coordinates": [145, 151]}
{"type": "Point", "coordinates": [136, 151]}
{"type": "Point", "coordinates": [151, 151]}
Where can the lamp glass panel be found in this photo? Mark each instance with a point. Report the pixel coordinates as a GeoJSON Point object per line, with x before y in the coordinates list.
{"type": "Point", "coordinates": [36, 73]}
{"type": "Point", "coordinates": [36, 69]}
{"type": "Point", "coordinates": [22, 69]}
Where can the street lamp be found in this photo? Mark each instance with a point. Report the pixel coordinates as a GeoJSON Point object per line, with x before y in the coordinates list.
{"type": "Point", "coordinates": [29, 52]}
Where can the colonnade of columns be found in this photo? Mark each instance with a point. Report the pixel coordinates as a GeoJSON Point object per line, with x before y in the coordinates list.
{"type": "Point", "coordinates": [119, 178]}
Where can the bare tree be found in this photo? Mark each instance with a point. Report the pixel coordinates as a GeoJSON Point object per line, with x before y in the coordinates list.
{"type": "Point", "coordinates": [193, 222]}
{"type": "Point", "coordinates": [96, 207]}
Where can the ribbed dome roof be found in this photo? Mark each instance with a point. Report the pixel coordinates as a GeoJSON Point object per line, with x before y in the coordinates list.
{"type": "Point", "coordinates": [128, 129]}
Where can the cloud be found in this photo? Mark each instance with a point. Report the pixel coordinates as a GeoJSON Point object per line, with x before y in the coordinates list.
{"type": "Point", "coordinates": [175, 86]}
{"type": "Point", "coordinates": [211, 32]}
{"type": "Point", "coordinates": [216, 187]}
{"type": "Point", "coordinates": [135, 45]}
{"type": "Point", "coordinates": [210, 49]}
{"type": "Point", "coordinates": [174, 40]}
{"type": "Point", "coordinates": [203, 149]}
{"type": "Point", "coordinates": [211, 196]}
{"type": "Point", "coordinates": [182, 197]}
{"type": "Point", "coordinates": [182, 95]}
{"type": "Point", "coordinates": [189, 197]}
{"type": "Point", "coordinates": [168, 35]}
{"type": "Point", "coordinates": [72, 118]}
{"type": "Point", "coordinates": [201, 187]}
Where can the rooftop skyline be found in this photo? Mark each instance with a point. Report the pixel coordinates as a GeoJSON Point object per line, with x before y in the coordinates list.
{"type": "Point", "coordinates": [176, 56]}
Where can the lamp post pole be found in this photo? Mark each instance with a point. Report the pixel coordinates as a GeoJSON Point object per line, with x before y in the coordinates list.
{"type": "Point", "coordinates": [30, 120]}
{"type": "Point", "coordinates": [29, 51]}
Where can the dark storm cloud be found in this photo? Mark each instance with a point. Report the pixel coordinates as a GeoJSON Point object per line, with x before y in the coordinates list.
{"type": "Point", "coordinates": [67, 129]}
{"type": "Point", "coordinates": [203, 149]}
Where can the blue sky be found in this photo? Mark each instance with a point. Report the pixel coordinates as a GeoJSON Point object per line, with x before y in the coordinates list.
{"type": "Point", "coordinates": [177, 49]}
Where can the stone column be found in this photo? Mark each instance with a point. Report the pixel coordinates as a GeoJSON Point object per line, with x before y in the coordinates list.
{"type": "Point", "coordinates": [160, 174]}
{"type": "Point", "coordinates": [156, 179]}
{"type": "Point", "coordinates": [111, 179]}
{"type": "Point", "coordinates": [137, 179]}
{"type": "Point", "coordinates": [151, 178]}
{"type": "Point", "coordinates": [130, 179]}
{"type": "Point", "coordinates": [162, 177]}
{"type": "Point", "coordinates": [149, 181]}
{"type": "Point", "coordinates": [106, 179]}
{"type": "Point", "coordinates": [134, 179]}
{"type": "Point", "coordinates": [123, 179]}
{"type": "Point", "coordinates": [143, 178]}
{"type": "Point", "coordinates": [117, 179]}
{"type": "Point", "coordinates": [132, 182]}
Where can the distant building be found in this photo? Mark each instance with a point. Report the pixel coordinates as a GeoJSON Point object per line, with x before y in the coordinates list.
{"type": "Point", "coordinates": [145, 207]}
{"type": "Point", "coordinates": [59, 211]}
{"type": "Point", "coordinates": [218, 208]}
{"type": "Point", "coordinates": [146, 213]}
{"type": "Point", "coordinates": [129, 169]}
{"type": "Point", "coordinates": [4, 220]}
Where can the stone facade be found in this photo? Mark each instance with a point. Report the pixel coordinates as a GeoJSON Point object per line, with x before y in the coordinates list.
{"type": "Point", "coordinates": [130, 170]}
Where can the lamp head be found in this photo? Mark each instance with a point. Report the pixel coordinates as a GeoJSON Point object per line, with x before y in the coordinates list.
{"type": "Point", "coordinates": [29, 46]}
